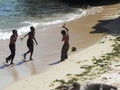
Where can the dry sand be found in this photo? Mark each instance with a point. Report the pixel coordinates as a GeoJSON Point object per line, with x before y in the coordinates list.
{"type": "Point", "coordinates": [70, 66]}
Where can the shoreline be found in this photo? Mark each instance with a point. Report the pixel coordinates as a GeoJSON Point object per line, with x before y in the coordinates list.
{"type": "Point", "coordinates": [45, 35]}
{"type": "Point", "coordinates": [44, 80]}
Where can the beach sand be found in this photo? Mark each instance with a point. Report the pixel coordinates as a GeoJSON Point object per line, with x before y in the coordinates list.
{"type": "Point", "coordinates": [44, 70]}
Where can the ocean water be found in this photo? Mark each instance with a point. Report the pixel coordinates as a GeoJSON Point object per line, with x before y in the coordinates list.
{"type": "Point", "coordinates": [20, 14]}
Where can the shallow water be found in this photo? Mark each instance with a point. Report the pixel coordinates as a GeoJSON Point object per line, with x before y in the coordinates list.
{"type": "Point", "coordinates": [20, 14]}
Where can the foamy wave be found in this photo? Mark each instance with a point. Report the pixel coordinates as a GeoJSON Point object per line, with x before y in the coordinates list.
{"type": "Point", "coordinates": [58, 19]}
{"type": "Point", "coordinates": [94, 10]}
{"type": "Point", "coordinates": [6, 35]}
{"type": "Point", "coordinates": [24, 29]}
{"type": "Point", "coordinates": [66, 17]}
{"type": "Point", "coordinates": [27, 28]}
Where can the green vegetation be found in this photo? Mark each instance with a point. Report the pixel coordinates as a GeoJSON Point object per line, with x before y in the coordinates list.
{"type": "Point", "coordinates": [98, 67]}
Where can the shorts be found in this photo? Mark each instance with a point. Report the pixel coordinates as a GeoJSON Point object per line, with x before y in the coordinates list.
{"type": "Point", "coordinates": [29, 43]}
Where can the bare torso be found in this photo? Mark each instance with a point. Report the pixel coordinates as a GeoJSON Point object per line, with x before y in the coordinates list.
{"type": "Point", "coordinates": [66, 39]}
{"type": "Point", "coordinates": [30, 36]}
{"type": "Point", "coordinates": [13, 39]}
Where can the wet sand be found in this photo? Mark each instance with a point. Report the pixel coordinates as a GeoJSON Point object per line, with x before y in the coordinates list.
{"type": "Point", "coordinates": [47, 53]}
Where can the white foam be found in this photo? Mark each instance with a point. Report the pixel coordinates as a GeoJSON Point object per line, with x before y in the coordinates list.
{"type": "Point", "coordinates": [67, 17]}
{"type": "Point", "coordinates": [60, 19]}
{"type": "Point", "coordinates": [26, 28]}
{"type": "Point", "coordinates": [6, 35]}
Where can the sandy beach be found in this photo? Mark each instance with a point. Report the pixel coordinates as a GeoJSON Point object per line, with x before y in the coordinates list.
{"type": "Point", "coordinates": [38, 74]}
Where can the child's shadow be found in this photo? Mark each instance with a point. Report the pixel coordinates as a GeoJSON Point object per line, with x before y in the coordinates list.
{"type": "Point", "coordinates": [22, 62]}
{"type": "Point", "coordinates": [4, 66]}
{"type": "Point", "coordinates": [7, 65]}
{"type": "Point", "coordinates": [55, 63]}
{"type": "Point", "coordinates": [19, 63]}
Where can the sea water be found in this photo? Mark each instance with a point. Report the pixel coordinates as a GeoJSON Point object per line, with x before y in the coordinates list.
{"type": "Point", "coordinates": [21, 14]}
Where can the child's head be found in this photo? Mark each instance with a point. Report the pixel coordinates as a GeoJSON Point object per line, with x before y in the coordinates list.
{"type": "Point", "coordinates": [14, 31]}
{"type": "Point", "coordinates": [63, 32]}
{"type": "Point", "coordinates": [32, 29]}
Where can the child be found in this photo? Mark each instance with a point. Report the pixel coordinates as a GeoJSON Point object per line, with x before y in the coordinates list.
{"type": "Point", "coordinates": [30, 42]}
{"type": "Point", "coordinates": [65, 47]}
{"type": "Point", "coordinates": [12, 47]}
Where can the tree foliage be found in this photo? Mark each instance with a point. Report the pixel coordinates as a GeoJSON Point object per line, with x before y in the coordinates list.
{"type": "Point", "coordinates": [92, 2]}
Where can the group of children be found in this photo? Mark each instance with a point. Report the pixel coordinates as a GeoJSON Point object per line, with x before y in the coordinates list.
{"type": "Point", "coordinates": [30, 44]}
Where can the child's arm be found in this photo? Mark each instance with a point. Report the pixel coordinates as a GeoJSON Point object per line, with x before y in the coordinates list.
{"type": "Point", "coordinates": [24, 37]}
{"type": "Point", "coordinates": [65, 27]}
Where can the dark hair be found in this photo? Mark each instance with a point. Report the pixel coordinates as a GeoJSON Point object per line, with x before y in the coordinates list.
{"type": "Point", "coordinates": [14, 30]}
{"type": "Point", "coordinates": [63, 32]}
{"type": "Point", "coordinates": [32, 28]}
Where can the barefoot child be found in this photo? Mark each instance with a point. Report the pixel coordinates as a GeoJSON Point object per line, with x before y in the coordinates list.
{"type": "Point", "coordinates": [65, 46]}
{"type": "Point", "coordinates": [30, 42]}
{"type": "Point", "coordinates": [12, 47]}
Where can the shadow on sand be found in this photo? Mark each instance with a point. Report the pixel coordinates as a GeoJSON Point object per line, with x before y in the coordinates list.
{"type": "Point", "coordinates": [54, 63]}
{"type": "Point", "coordinates": [22, 62]}
{"type": "Point", "coordinates": [4, 66]}
{"type": "Point", "coordinates": [110, 26]}
{"type": "Point", "coordinates": [19, 63]}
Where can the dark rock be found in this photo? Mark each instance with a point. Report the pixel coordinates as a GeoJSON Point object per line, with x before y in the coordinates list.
{"type": "Point", "coordinates": [76, 86]}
